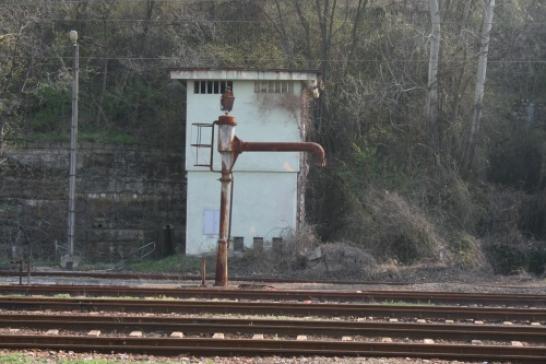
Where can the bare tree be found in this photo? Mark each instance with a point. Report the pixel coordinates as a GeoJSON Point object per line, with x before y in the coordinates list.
{"type": "Point", "coordinates": [470, 145]}
{"type": "Point", "coordinates": [432, 86]}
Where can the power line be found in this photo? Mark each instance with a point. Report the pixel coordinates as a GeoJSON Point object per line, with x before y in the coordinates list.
{"type": "Point", "coordinates": [235, 21]}
{"type": "Point", "coordinates": [257, 59]}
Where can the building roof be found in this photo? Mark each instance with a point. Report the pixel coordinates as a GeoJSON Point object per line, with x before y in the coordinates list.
{"type": "Point", "coordinates": [207, 73]}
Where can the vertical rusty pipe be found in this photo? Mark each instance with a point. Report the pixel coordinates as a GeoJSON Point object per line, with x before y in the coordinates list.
{"type": "Point", "coordinates": [203, 272]}
{"type": "Point", "coordinates": [226, 134]}
{"type": "Point", "coordinates": [28, 270]}
{"type": "Point", "coordinates": [20, 261]}
{"type": "Point", "coordinates": [221, 278]}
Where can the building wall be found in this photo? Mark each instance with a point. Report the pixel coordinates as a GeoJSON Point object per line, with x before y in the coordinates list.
{"type": "Point", "coordinates": [265, 205]}
{"type": "Point", "coordinates": [265, 191]}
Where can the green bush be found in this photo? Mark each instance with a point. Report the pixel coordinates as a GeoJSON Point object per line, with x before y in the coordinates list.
{"type": "Point", "coordinates": [51, 106]}
{"type": "Point", "coordinates": [537, 260]}
{"type": "Point", "coordinates": [518, 161]}
{"type": "Point", "coordinates": [506, 258]}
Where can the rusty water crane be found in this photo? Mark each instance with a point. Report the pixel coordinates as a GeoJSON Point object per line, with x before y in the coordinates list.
{"type": "Point", "coordinates": [229, 147]}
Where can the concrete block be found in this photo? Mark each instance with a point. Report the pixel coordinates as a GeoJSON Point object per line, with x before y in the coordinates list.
{"type": "Point", "coordinates": [535, 324]}
{"type": "Point", "coordinates": [135, 334]}
{"type": "Point", "coordinates": [95, 333]}
{"type": "Point", "coordinates": [478, 322]}
{"type": "Point", "coordinates": [421, 321]}
{"type": "Point", "coordinates": [277, 245]}
{"type": "Point", "coordinates": [258, 244]}
{"type": "Point", "coordinates": [507, 323]}
{"type": "Point", "coordinates": [238, 243]}
{"type": "Point", "coordinates": [218, 335]}
{"type": "Point", "coordinates": [517, 343]}
{"type": "Point", "coordinates": [393, 320]}
{"type": "Point", "coordinates": [347, 338]}
{"type": "Point", "coordinates": [258, 337]}
{"type": "Point", "coordinates": [315, 254]}
{"type": "Point", "coordinates": [449, 321]}
{"type": "Point", "coordinates": [428, 341]}
{"type": "Point", "coordinates": [476, 342]}
{"type": "Point", "coordinates": [301, 337]}
{"type": "Point", "coordinates": [177, 334]}
{"type": "Point", "coordinates": [52, 332]}
{"type": "Point", "coordinates": [386, 340]}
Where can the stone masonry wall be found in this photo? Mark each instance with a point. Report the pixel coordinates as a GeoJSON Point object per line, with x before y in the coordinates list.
{"type": "Point", "coordinates": [126, 197]}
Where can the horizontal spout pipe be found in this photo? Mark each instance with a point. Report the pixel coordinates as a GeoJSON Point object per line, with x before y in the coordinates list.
{"type": "Point", "coordinates": [310, 147]}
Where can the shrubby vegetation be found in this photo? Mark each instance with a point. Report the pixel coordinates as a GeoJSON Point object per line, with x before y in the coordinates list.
{"type": "Point", "coordinates": [420, 168]}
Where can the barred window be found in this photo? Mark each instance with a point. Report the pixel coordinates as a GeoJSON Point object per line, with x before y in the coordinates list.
{"type": "Point", "coordinates": [273, 87]}
{"type": "Point", "coordinates": [211, 87]}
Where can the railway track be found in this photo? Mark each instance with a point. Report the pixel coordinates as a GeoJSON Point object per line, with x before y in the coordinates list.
{"type": "Point", "coordinates": [253, 294]}
{"type": "Point", "coordinates": [330, 328]}
{"type": "Point", "coordinates": [335, 337]}
{"type": "Point", "coordinates": [211, 346]}
{"type": "Point", "coordinates": [271, 308]}
{"type": "Point", "coordinates": [175, 277]}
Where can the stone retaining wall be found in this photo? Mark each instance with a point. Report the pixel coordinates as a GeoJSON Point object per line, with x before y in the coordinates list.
{"type": "Point", "coordinates": [127, 196]}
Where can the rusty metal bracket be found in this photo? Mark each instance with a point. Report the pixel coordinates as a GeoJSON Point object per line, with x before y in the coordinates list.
{"type": "Point", "coordinates": [200, 145]}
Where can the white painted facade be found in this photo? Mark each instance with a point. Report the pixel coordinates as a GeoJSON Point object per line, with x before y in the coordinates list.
{"type": "Point", "coordinates": [265, 190]}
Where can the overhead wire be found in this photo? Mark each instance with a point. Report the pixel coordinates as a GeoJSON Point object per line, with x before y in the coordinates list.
{"type": "Point", "coordinates": [318, 60]}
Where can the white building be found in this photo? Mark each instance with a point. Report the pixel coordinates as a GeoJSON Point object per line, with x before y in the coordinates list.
{"type": "Point", "coordinates": [268, 188]}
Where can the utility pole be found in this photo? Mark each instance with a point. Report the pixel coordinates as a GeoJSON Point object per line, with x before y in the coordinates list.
{"type": "Point", "coordinates": [73, 145]}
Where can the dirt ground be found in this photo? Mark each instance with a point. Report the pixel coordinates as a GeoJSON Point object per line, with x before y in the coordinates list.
{"type": "Point", "coordinates": [467, 283]}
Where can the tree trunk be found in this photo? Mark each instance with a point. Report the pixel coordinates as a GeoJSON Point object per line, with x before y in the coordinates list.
{"type": "Point", "coordinates": [1, 137]}
{"type": "Point", "coordinates": [468, 154]}
{"type": "Point", "coordinates": [432, 87]}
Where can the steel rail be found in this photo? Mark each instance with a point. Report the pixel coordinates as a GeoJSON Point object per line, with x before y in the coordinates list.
{"type": "Point", "coordinates": [175, 277]}
{"type": "Point", "coordinates": [331, 328]}
{"type": "Point", "coordinates": [323, 295]}
{"type": "Point", "coordinates": [274, 308]}
{"type": "Point", "coordinates": [207, 346]}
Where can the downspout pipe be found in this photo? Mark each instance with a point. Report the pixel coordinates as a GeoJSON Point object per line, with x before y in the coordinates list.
{"type": "Point", "coordinates": [240, 146]}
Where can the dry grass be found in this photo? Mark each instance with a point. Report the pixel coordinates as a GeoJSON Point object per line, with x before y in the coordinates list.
{"type": "Point", "coordinates": [391, 227]}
